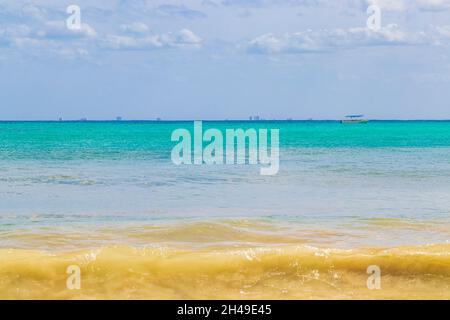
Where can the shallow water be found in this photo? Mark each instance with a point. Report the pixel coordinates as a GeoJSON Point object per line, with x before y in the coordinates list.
{"type": "Point", "coordinates": [280, 272]}
{"type": "Point", "coordinates": [106, 195]}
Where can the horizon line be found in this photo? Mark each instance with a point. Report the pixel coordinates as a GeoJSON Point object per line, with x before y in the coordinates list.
{"type": "Point", "coordinates": [210, 120]}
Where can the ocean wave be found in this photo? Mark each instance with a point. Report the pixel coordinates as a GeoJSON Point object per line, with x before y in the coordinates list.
{"type": "Point", "coordinates": [295, 272]}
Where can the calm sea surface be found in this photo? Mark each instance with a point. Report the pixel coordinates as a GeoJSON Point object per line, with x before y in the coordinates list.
{"type": "Point", "coordinates": [331, 175]}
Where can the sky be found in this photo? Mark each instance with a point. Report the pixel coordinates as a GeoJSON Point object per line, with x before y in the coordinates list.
{"type": "Point", "coordinates": [224, 59]}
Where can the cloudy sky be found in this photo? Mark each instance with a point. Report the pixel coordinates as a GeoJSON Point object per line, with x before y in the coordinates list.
{"type": "Point", "coordinates": [224, 59]}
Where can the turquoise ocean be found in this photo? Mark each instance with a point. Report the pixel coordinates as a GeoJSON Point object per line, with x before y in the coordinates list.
{"type": "Point", "coordinates": [381, 183]}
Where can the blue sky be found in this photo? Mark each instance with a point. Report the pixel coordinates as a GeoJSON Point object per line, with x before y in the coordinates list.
{"type": "Point", "coordinates": [224, 59]}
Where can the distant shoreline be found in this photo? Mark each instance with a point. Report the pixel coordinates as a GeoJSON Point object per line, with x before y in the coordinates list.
{"type": "Point", "coordinates": [216, 120]}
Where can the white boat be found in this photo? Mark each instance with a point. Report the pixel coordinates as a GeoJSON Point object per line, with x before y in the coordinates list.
{"type": "Point", "coordinates": [353, 119]}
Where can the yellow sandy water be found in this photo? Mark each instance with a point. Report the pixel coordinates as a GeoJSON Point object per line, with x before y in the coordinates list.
{"type": "Point", "coordinates": [184, 263]}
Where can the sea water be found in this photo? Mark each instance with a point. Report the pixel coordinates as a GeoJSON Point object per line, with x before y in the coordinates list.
{"type": "Point", "coordinates": [103, 193]}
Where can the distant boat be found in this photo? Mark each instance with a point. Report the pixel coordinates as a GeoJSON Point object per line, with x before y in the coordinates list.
{"type": "Point", "coordinates": [355, 118]}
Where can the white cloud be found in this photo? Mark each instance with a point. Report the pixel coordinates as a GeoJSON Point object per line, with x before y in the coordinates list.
{"type": "Point", "coordinates": [59, 30]}
{"type": "Point", "coordinates": [266, 3]}
{"type": "Point", "coordinates": [14, 31]}
{"type": "Point", "coordinates": [135, 27]}
{"type": "Point", "coordinates": [404, 5]}
{"type": "Point", "coordinates": [180, 11]}
{"type": "Point", "coordinates": [33, 11]}
{"type": "Point", "coordinates": [444, 31]}
{"type": "Point", "coordinates": [188, 37]}
{"type": "Point", "coordinates": [51, 39]}
{"type": "Point", "coordinates": [182, 38]}
{"type": "Point", "coordinates": [51, 34]}
{"type": "Point", "coordinates": [433, 5]}
{"type": "Point", "coordinates": [330, 40]}
{"type": "Point", "coordinates": [390, 5]}
{"type": "Point", "coordinates": [40, 25]}
{"type": "Point", "coordinates": [15, 35]}
{"type": "Point", "coordinates": [23, 40]}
